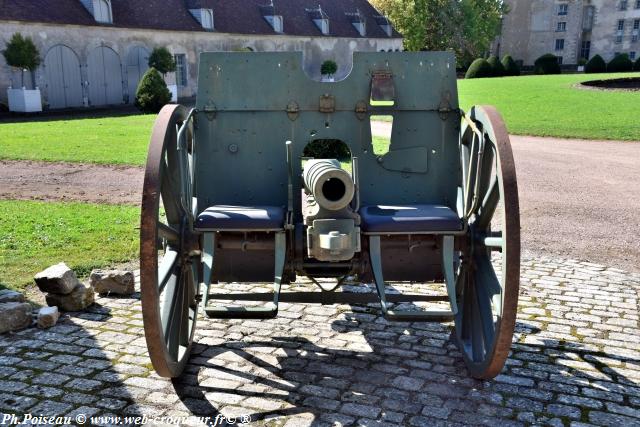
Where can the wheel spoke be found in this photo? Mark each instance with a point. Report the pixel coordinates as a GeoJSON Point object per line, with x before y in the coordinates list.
{"type": "Point", "coordinates": [165, 269]}
{"type": "Point", "coordinates": [488, 206]}
{"type": "Point", "coordinates": [477, 334]}
{"type": "Point", "coordinates": [488, 171]}
{"type": "Point", "coordinates": [175, 306]}
{"type": "Point", "coordinates": [484, 298]}
{"type": "Point", "coordinates": [168, 233]}
{"type": "Point", "coordinates": [491, 285]}
{"type": "Point", "coordinates": [170, 198]}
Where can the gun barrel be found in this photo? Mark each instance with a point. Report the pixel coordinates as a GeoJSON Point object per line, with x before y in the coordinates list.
{"type": "Point", "coordinates": [330, 185]}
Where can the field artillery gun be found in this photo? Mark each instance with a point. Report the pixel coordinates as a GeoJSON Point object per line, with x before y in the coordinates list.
{"type": "Point", "coordinates": [229, 196]}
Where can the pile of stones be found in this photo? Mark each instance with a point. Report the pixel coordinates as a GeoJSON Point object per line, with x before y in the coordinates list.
{"type": "Point", "coordinates": [64, 292]}
{"type": "Point", "coordinates": [63, 289]}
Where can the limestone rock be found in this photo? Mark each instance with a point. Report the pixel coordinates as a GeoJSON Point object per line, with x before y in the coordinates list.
{"type": "Point", "coordinates": [7, 295]}
{"type": "Point", "coordinates": [57, 279]}
{"type": "Point", "coordinates": [80, 298]}
{"type": "Point", "coordinates": [119, 282]}
{"type": "Point", "coordinates": [48, 316]}
{"type": "Point", "coordinates": [14, 316]}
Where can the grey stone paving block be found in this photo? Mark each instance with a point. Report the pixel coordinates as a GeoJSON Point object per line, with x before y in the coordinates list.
{"type": "Point", "coordinates": [358, 410]}
{"type": "Point", "coordinates": [14, 403]}
{"type": "Point", "coordinates": [50, 408]}
{"type": "Point", "coordinates": [612, 420]}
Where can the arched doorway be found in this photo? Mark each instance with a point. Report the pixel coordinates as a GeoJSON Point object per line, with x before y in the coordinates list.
{"type": "Point", "coordinates": [105, 77]}
{"type": "Point", "coordinates": [137, 65]}
{"type": "Point", "coordinates": [62, 74]}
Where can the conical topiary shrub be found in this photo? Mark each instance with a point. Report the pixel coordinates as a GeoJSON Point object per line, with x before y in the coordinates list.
{"type": "Point", "coordinates": [595, 65]}
{"type": "Point", "coordinates": [496, 66]}
{"type": "Point", "coordinates": [547, 64]}
{"type": "Point", "coordinates": [478, 69]}
{"type": "Point", "coordinates": [620, 64]}
{"type": "Point", "coordinates": [152, 93]}
{"type": "Point", "coordinates": [510, 66]}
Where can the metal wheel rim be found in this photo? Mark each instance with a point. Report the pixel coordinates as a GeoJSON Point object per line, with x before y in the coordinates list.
{"type": "Point", "coordinates": [168, 354]}
{"type": "Point", "coordinates": [485, 347]}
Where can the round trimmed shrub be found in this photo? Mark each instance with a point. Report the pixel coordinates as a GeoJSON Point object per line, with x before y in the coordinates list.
{"type": "Point", "coordinates": [636, 67]}
{"type": "Point", "coordinates": [546, 64]}
{"type": "Point", "coordinates": [328, 67]}
{"type": "Point", "coordinates": [162, 60]}
{"type": "Point", "coordinates": [152, 93]}
{"type": "Point", "coordinates": [497, 70]}
{"type": "Point", "coordinates": [595, 65]}
{"type": "Point", "coordinates": [510, 66]}
{"type": "Point", "coordinates": [478, 69]}
{"type": "Point", "coordinates": [619, 64]}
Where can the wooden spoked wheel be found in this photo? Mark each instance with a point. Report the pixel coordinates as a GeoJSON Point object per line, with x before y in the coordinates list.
{"type": "Point", "coordinates": [489, 273]}
{"type": "Point", "coordinates": [169, 251]}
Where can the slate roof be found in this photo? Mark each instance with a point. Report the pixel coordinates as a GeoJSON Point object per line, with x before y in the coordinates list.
{"type": "Point", "coordinates": [230, 16]}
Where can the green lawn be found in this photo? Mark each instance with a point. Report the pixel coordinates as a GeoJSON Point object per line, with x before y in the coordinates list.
{"type": "Point", "coordinates": [117, 139]}
{"type": "Point", "coordinates": [35, 235]}
{"type": "Point", "coordinates": [531, 105]}
{"type": "Point", "coordinates": [551, 106]}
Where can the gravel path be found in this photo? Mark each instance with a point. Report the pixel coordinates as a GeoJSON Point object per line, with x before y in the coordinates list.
{"type": "Point", "coordinates": [70, 181]}
{"type": "Point", "coordinates": [578, 199]}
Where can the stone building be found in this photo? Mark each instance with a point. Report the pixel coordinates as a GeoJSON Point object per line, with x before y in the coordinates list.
{"type": "Point", "coordinates": [95, 51]}
{"type": "Point", "coordinates": [570, 29]}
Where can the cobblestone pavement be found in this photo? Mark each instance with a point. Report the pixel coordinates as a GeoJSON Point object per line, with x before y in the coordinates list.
{"type": "Point", "coordinates": [576, 361]}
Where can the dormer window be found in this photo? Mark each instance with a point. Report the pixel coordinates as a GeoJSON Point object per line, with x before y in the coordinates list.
{"type": "Point", "coordinates": [358, 22]}
{"type": "Point", "coordinates": [100, 9]}
{"type": "Point", "coordinates": [204, 17]}
{"type": "Point", "coordinates": [384, 23]}
{"type": "Point", "coordinates": [269, 14]}
{"type": "Point", "coordinates": [276, 22]}
{"type": "Point", "coordinates": [319, 18]}
{"type": "Point", "coordinates": [207, 19]}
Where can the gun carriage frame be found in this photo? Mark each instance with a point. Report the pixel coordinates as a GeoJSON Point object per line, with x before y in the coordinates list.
{"type": "Point", "coordinates": [222, 199]}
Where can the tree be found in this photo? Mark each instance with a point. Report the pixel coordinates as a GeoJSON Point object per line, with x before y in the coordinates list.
{"type": "Point", "coordinates": [22, 53]}
{"type": "Point", "coordinates": [465, 26]}
{"type": "Point", "coordinates": [328, 67]}
{"type": "Point", "coordinates": [162, 60]}
{"type": "Point", "coordinates": [152, 93]}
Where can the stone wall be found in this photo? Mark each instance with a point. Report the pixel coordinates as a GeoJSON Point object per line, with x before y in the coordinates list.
{"type": "Point", "coordinates": [83, 40]}
{"type": "Point", "coordinates": [529, 30]}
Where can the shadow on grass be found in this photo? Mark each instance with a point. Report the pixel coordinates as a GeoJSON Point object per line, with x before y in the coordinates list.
{"type": "Point", "coordinates": [69, 114]}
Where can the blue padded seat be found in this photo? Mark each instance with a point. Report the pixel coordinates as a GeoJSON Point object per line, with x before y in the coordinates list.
{"type": "Point", "coordinates": [225, 217]}
{"type": "Point", "coordinates": [409, 219]}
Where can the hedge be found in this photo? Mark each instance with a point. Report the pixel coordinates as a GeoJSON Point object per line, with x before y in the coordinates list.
{"type": "Point", "coordinates": [595, 65]}
{"type": "Point", "coordinates": [547, 64]}
{"type": "Point", "coordinates": [478, 69]}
